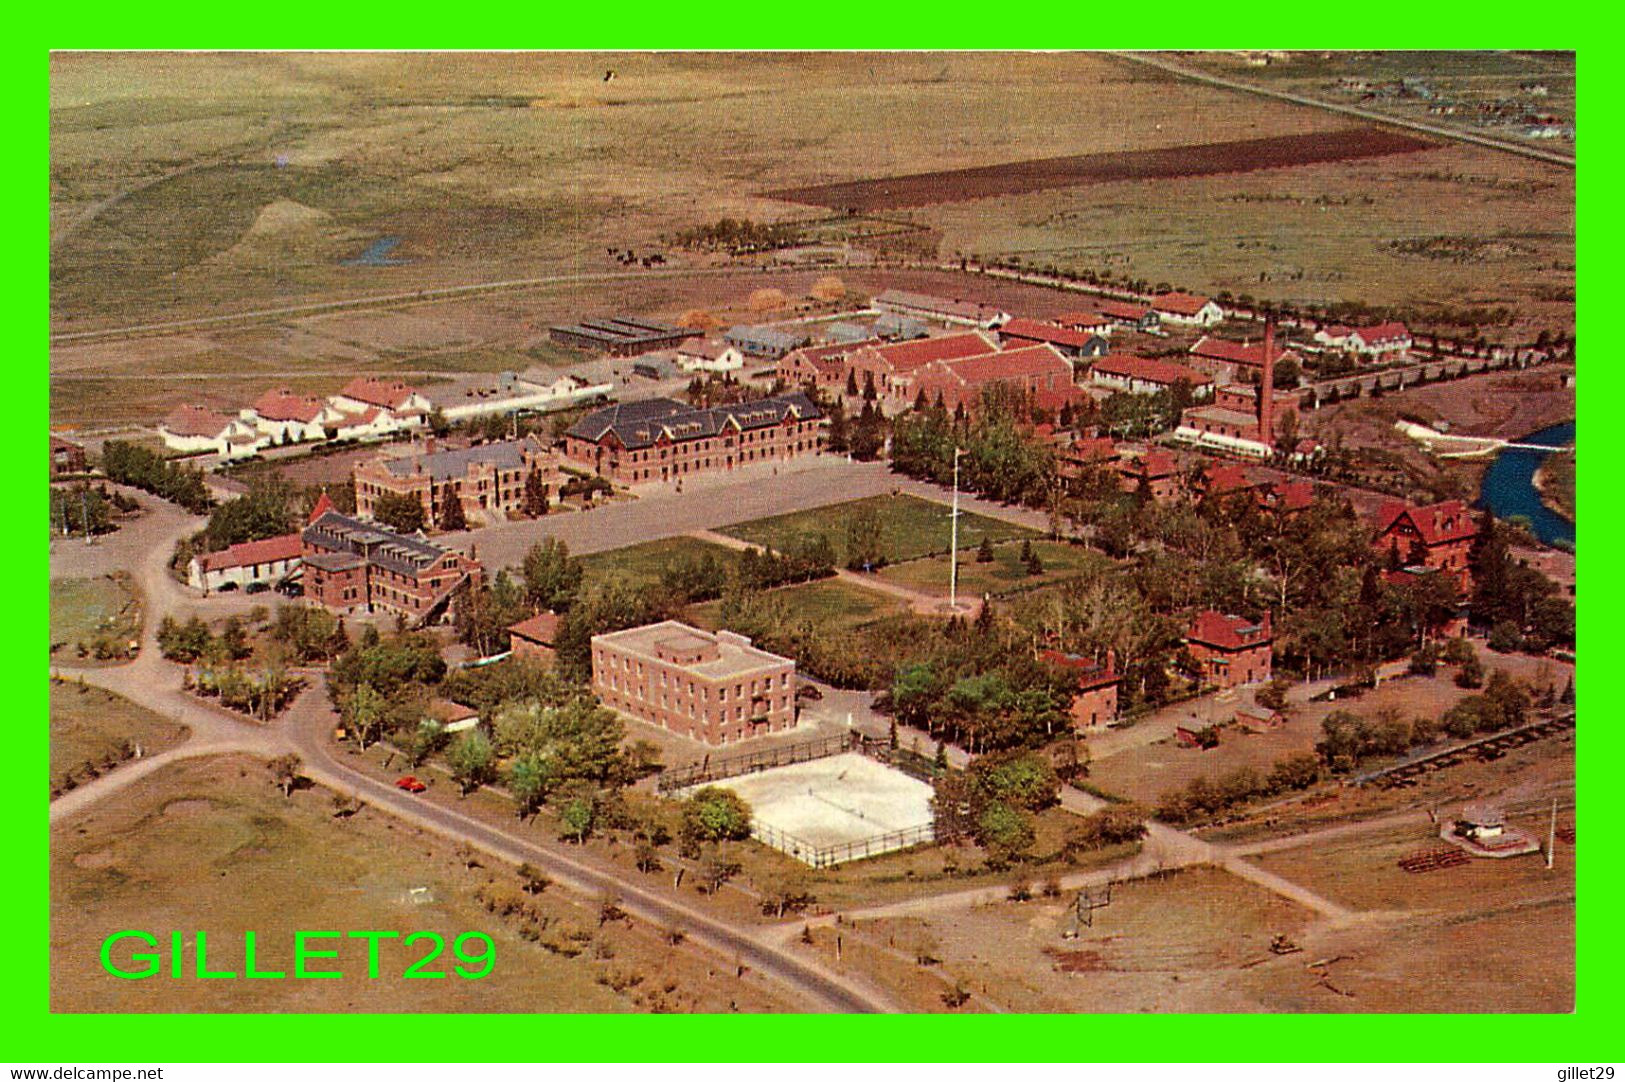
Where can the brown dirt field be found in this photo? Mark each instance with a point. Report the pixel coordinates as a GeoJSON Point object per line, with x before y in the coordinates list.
{"type": "Point", "coordinates": [1144, 773]}
{"type": "Point", "coordinates": [1017, 178]}
{"type": "Point", "coordinates": [1167, 944]}
{"type": "Point", "coordinates": [211, 845]}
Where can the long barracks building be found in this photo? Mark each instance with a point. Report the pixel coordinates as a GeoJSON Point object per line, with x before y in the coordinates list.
{"type": "Point", "coordinates": [661, 439]}
{"type": "Point", "coordinates": [354, 566]}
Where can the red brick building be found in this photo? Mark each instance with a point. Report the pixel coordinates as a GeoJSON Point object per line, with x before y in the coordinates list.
{"type": "Point", "coordinates": [715, 688]}
{"type": "Point", "coordinates": [536, 637]}
{"type": "Point", "coordinates": [487, 480]}
{"type": "Point", "coordinates": [1230, 650]}
{"type": "Point", "coordinates": [1029, 370]}
{"type": "Point", "coordinates": [1154, 471]}
{"type": "Point", "coordinates": [824, 367]}
{"type": "Point", "coordinates": [661, 439]}
{"type": "Point", "coordinates": [892, 366]}
{"type": "Point", "coordinates": [1094, 701]}
{"type": "Point", "coordinates": [354, 566]}
{"type": "Point", "coordinates": [67, 457]}
{"type": "Point", "coordinates": [1439, 535]}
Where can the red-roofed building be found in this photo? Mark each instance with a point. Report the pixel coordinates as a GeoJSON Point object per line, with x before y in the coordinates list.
{"type": "Point", "coordinates": [1139, 317]}
{"type": "Point", "coordinates": [378, 407]}
{"type": "Point", "coordinates": [1187, 308]}
{"type": "Point", "coordinates": [939, 309]}
{"type": "Point", "coordinates": [1221, 479]}
{"type": "Point", "coordinates": [535, 638]}
{"type": "Point", "coordinates": [1094, 699]}
{"type": "Point", "coordinates": [263, 563]}
{"type": "Point", "coordinates": [824, 367]}
{"type": "Point", "coordinates": [1154, 471]}
{"type": "Point", "coordinates": [708, 355]}
{"type": "Point", "coordinates": [1086, 321]}
{"type": "Point", "coordinates": [1226, 359]}
{"type": "Point", "coordinates": [197, 429]}
{"type": "Point", "coordinates": [1377, 340]}
{"type": "Point", "coordinates": [67, 457]}
{"type": "Point", "coordinates": [892, 366]}
{"type": "Point", "coordinates": [1439, 535]}
{"type": "Point", "coordinates": [287, 417]}
{"type": "Point", "coordinates": [1286, 498]}
{"type": "Point", "coordinates": [1030, 332]}
{"type": "Point", "coordinates": [1147, 375]}
{"type": "Point", "coordinates": [1031, 370]}
{"type": "Point", "coordinates": [1230, 650]}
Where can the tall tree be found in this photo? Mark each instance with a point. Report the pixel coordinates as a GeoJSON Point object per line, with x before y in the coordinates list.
{"type": "Point", "coordinates": [452, 518]}
{"type": "Point", "coordinates": [401, 512]}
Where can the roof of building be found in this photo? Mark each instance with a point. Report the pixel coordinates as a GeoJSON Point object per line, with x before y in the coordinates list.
{"type": "Point", "coordinates": [1220, 415]}
{"type": "Point", "coordinates": [708, 348]}
{"type": "Point", "coordinates": [1227, 349]}
{"type": "Point", "coordinates": [60, 444]}
{"type": "Point", "coordinates": [1153, 464]}
{"type": "Point", "coordinates": [1223, 478]}
{"type": "Point", "coordinates": [923, 302]}
{"type": "Point", "coordinates": [735, 654]}
{"type": "Point", "coordinates": [842, 331]}
{"type": "Point", "coordinates": [542, 628]}
{"type": "Point", "coordinates": [1436, 523]}
{"type": "Point", "coordinates": [356, 420]}
{"type": "Point", "coordinates": [1123, 310]}
{"type": "Point", "coordinates": [447, 712]}
{"type": "Point", "coordinates": [324, 504]}
{"type": "Point", "coordinates": [1382, 332]}
{"type": "Point", "coordinates": [449, 465]}
{"type": "Point", "coordinates": [1288, 495]}
{"type": "Point", "coordinates": [1091, 449]}
{"type": "Point", "coordinates": [196, 421]}
{"type": "Point", "coordinates": [334, 561]}
{"type": "Point", "coordinates": [1082, 317]}
{"type": "Point", "coordinates": [1151, 370]}
{"type": "Point", "coordinates": [283, 405]}
{"type": "Point", "coordinates": [823, 356]}
{"type": "Point", "coordinates": [1033, 330]}
{"type": "Point", "coordinates": [377, 544]}
{"type": "Point", "coordinates": [640, 424]}
{"type": "Point", "coordinates": [772, 337]}
{"type": "Point", "coordinates": [387, 394]}
{"type": "Point", "coordinates": [897, 325]}
{"type": "Point", "coordinates": [1018, 363]}
{"type": "Point", "coordinates": [1180, 304]}
{"type": "Point", "coordinates": [621, 330]}
{"type": "Point", "coordinates": [907, 356]}
{"type": "Point", "coordinates": [1227, 632]}
{"type": "Point", "coordinates": [1089, 672]}
{"type": "Point", "coordinates": [249, 553]}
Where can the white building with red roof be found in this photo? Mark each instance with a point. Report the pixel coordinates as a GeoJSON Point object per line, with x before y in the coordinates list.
{"type": "Point", "coordinates": [1072, 343]}
{"type": "Point", "coordinates": [250, 563]}
{"type": "Point", "coordinates": [200, 430]}
{"type": "Point", "coordinates": [708, 355]}
{"type": "Point", "coordinates": [1148, 375]}
{"type": "Point", "coordinates": [1226, 359]}
{"type": "Point", "coordinates": [285, 417]}
{"type": "Point", "coordinates": [1378, 340]}
{"type": "Point", "coordinates": [1187, 308]}
{"type": "Point", "coordinates": [379, 407]}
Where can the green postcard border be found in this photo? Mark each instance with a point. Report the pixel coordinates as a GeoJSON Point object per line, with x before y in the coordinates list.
{"type": "Point", "coordinates": [36, 1035]}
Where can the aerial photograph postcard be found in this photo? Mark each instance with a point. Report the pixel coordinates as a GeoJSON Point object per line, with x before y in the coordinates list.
{"type": "Point", "coordinates": [812, 532]}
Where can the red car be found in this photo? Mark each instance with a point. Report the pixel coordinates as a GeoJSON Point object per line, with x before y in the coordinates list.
{"type": "Point", "coordinates": [410, 784]}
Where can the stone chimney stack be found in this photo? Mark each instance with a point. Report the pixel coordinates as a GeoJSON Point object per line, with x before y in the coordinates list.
{"type": "Point", "coordinates": [1266, 387]}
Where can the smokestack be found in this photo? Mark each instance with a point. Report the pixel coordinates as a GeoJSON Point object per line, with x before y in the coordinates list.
{"type": "Point", "coordinates": [1266, 387]}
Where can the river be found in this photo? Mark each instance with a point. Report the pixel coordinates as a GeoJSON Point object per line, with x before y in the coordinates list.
{"type": "Point", "coordinates": [1509, 486]}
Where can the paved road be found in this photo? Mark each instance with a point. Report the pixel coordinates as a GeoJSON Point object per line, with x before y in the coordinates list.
{"type": "Point", "coordinates": [1453, 134]}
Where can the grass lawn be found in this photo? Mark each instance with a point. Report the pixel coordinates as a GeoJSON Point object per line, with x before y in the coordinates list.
{"type": "Point", "coordinates": [212, 844]}
{"type": "Point", "coordinates": [1006, 574]}
{"type": "Point", "coordinates": [644, 563]}
{"type": "Point", "coordinates": [85, 612]}
{"type": "Point", "coordinates": [910, 527]}
{"type": "Point", "coordinates": [89, 724]}
{"type": "Point", "coordinates": [828, 603]}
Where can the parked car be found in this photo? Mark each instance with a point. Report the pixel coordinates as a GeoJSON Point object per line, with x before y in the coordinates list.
{"type": "Point", "coordinates": [410, 784]}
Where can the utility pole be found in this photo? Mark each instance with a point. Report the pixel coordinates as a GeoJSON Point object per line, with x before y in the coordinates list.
{"type": "Point", "coordinates": [84, 509]}
{"type": "Point", "coordinates": [1551, 837]}
{"type": "Point", "coordinates": [953, 557]}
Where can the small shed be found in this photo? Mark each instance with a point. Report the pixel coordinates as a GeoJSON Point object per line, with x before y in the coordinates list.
{"type": "Point", "coordinates": [453, 717]}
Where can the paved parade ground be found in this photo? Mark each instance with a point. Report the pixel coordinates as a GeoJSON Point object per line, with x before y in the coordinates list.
{"type": "Point", "coordinates": [834, 801]}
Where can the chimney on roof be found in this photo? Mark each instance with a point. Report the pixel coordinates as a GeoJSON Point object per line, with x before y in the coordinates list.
{"type": "Point", "coordinates": [1266, 386]}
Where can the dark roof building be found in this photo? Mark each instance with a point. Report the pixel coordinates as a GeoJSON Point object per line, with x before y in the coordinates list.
{"type": "Point", "coordinates": [619, 336]}
{"type": "Point", "coordinates": [663, 439]}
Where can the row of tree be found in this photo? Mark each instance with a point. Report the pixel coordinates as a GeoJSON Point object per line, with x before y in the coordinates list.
{"type": "Point", "coordinates": [143, 468]}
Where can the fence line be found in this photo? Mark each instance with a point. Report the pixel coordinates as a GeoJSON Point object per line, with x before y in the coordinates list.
{"type": "Point", "coordinates": [709, 769]}
{"type": "Point", "coordinates": [828, 856]}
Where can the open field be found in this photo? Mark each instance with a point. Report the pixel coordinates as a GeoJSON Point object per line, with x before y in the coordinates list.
{"type": "Point", "coordinates": [1006, 574]}
{"type": "Point", "coordinates": [213, 845]}
{"type": "Point", "coordinates": [642, 564]}
{"type": "Point", "coordinates": [827, 603]}
{"type": "Point", "coordinates": [910, 527]}
{"type": "Point", "coordinates": [85, 612]}
{"type": "Point", "coordinates": [1017, 178]}
{"type": "Point", "coordinates": [89, 724]}
{"type": "Point", "coordinates": [1143, 773]}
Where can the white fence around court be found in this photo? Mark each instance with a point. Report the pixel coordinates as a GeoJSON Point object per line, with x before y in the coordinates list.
{"type": "Point", "coordinates": [828, 856]}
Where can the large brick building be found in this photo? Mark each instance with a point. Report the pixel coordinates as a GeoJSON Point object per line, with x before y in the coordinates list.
{"type": "Point", "coordinates": [661, 439]}
{"type": "Point", "coordinates": [1094, 699]}
{"type": "Point", "coordinates": [354, 566]}
{"type": "Point", "coordinates": [1030, 370]}
{"type": "Point", "coordinates": [1438, 536]}
{"type": "Point", "coordinates": [1230, 650]}
{"type": "Point", "coordinates": [716, 688]}
{"type": "Point", "coordinates": [488, 480]}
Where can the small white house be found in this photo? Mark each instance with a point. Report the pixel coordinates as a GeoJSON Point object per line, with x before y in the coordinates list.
{"type": "Point", "coordinates": [285, 417]}
{"type": "Point", "coordinates": [707, 355]}
{"type": "Point", "coordinates": [196, 429]}
{"type": "Point", "coordinates": [1188, 309]}
{"type": "Point", "coordinates": [265, 562]}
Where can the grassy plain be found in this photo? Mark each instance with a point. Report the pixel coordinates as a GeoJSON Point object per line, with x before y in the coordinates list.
{"type": "Point", "coordinates": [829, 603]}
{"type": "Point", "coordinates": [910, 527]}
{"type": "Point", "coordinates": [85, 612]}
{"type": "Point", "coordinates": [89, 724]}
{"type": "Point", "coordinates": [1006, 574]}
{"type": "Point", "coordinates": [213, 845]}
{"type": "Point", "coordinates": [642, 564]}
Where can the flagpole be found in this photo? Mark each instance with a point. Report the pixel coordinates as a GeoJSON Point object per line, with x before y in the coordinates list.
{"type": "Point", "coordinates": [953, 559]}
